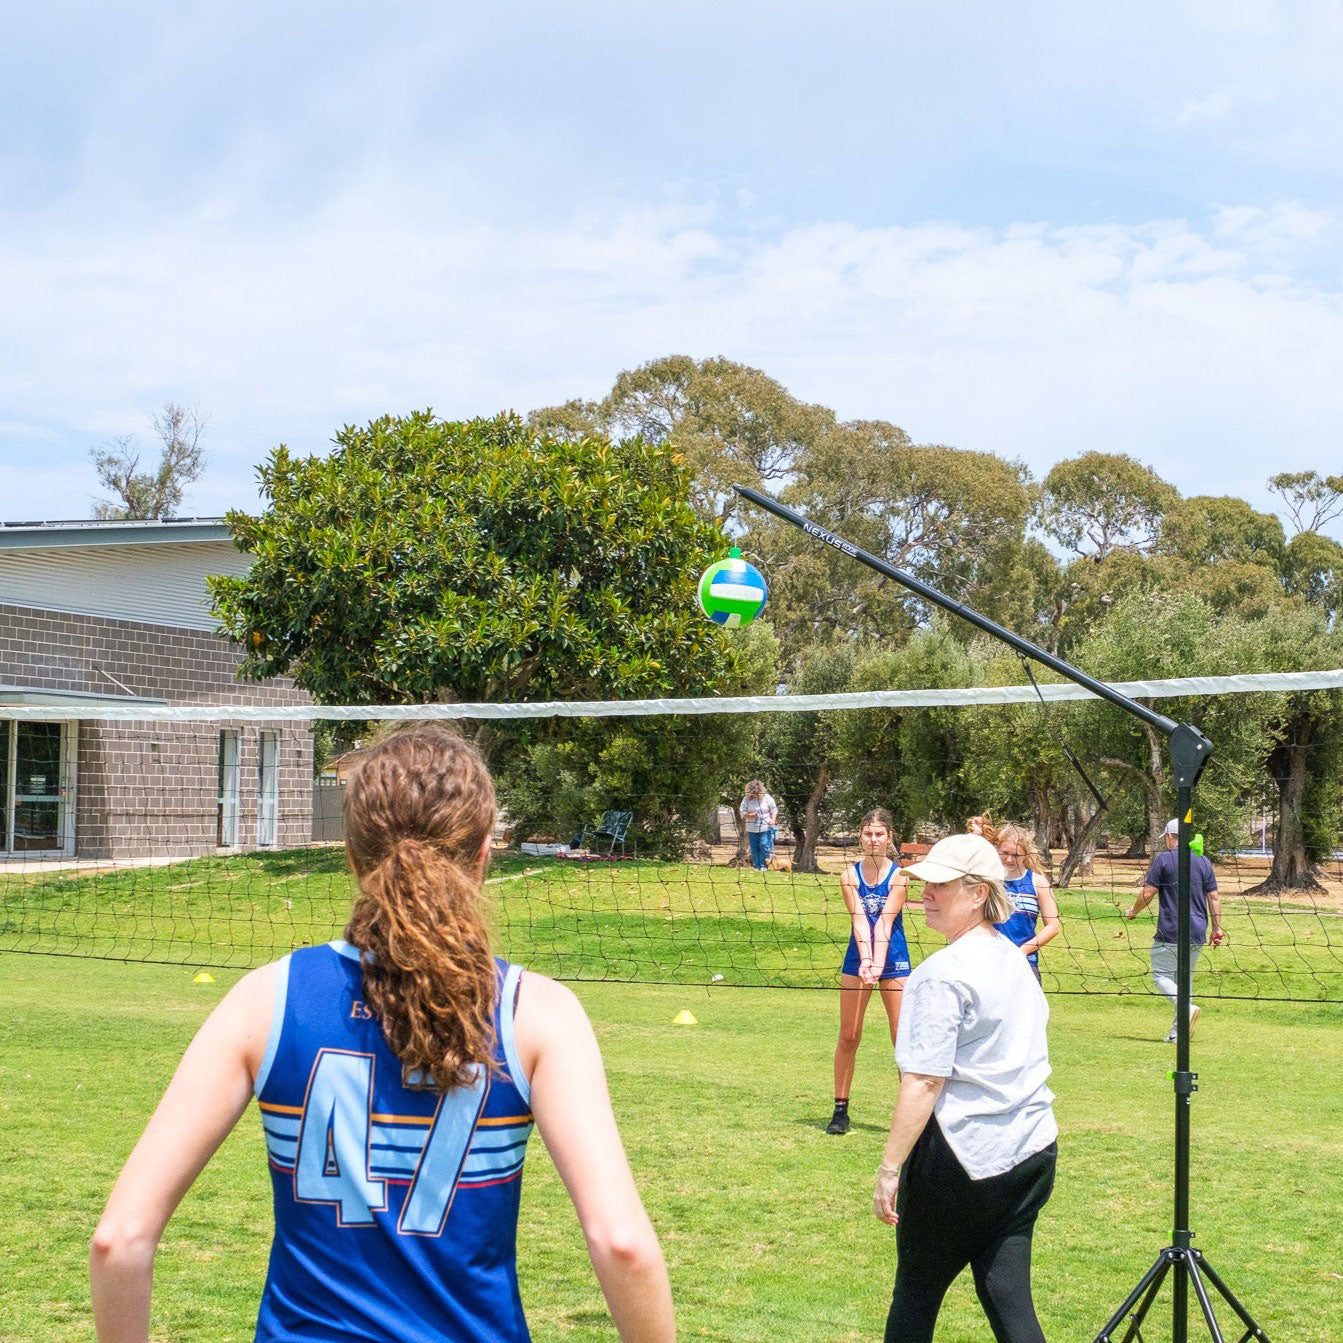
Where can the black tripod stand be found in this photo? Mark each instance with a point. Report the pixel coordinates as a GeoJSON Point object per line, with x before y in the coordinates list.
{"type": "Point", "coordinates": [1189, 753]}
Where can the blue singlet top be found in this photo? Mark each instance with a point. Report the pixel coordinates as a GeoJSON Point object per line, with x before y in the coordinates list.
{"type": "Point", "coordinates": [1021, 926]}
{"type": "Point", "coordinates": [396, 1206]}
{"type": "Point", "coordinates": [873, 899]}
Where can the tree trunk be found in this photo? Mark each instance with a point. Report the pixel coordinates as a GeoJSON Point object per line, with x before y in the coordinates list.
{"type": "Point", "coordinates": [1292, 869]}
{"type": "Point", "coordinates": [1156, 788]}
{"type": "Point", "coordinates": [808, 836]}
{"type": "Point", "coordinates": [1082, 849]}
{"type": "Point", "coordinates": [1151, 784]}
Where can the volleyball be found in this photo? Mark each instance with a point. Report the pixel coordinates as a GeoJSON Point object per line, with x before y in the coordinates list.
{"type": "Point", "coordinates": [731, 591]}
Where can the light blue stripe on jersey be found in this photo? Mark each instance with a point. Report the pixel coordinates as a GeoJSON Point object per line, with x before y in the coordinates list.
{"type": "Point", "coordinates": [501, 1139]}
{"type": "Point", "coordinates": [276, 1025]}
{"type": "Point", "coordinates": [493, 1163]}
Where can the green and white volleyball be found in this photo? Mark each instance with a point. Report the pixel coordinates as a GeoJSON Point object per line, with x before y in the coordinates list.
{"type": "Point", "coordinates": [732, 592]}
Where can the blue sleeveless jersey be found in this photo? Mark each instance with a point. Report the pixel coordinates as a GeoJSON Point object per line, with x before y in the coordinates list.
{"type": "Point", "coordinates": [396, 1207]}
{"type": "Point", "coordinates": [1020, 928]}
{"type": "Point", "coordinates": [873, 899]}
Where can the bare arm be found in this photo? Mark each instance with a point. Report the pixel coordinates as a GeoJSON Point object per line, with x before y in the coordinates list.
{"type": "Point", "coordinates": [205, 1099]}
{"type": "Point", "coordinates": [573, 1114]}
{"type": "Point", "coordinates": [1144, 899]}
{"type": "Point", "coordinates": [1050, 923]}
{"type": "Point", "coordinates": [1215, 910]}
{"type": "Point", "coordinates": [913, 1109]}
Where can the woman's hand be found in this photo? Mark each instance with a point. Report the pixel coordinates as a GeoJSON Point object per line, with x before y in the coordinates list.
{"type": "Point", "coordinates": [883, 1198]}
{"type": "Point", "coordinates": [867, 971]}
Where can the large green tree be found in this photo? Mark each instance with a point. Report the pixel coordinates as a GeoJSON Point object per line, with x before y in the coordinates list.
{"type": "Point", "coordinates": [1302, 750]}
{"type": "Point", "coordinates": [426, 560]}
{"type": "Point", "coordinates": [1103, 501]}
{"type": "Point", "coordinates": [950, 516]}
{"type": "Point", "coordinates": [732, 424]}
{"type": "Point", "coordinates": [907, 760]}
{"type": "Point", "coordinates": [1174, 634]}
{"type": "Point", "coordinates": [800, 752]}
{"type": "Point", "coordinates": [671, 770]}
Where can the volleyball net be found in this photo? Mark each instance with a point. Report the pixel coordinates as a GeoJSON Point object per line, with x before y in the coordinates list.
{"type": "Point", "coordinates": [209, 837]}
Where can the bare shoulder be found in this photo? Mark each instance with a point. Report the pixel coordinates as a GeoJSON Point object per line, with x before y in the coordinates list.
{"type": "Point", "coordinates": [540, 995]}
{"type": "Point", "coordinates": [253, 993]}
{"type": "Point", "coordinates": [547, 1013]}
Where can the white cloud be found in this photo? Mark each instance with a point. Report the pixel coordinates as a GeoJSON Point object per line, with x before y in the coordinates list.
{"type": "Point", "coordinates": [1212, 107]}
{"type": "Point", "coordinates": [1193, 347]}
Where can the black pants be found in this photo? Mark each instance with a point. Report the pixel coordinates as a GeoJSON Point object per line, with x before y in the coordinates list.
{"type": "Point", "coordinates": [947, 1220]}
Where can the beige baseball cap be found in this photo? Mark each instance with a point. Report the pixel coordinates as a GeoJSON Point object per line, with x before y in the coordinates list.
{"type": "Point", "coordinates": [960, 856]}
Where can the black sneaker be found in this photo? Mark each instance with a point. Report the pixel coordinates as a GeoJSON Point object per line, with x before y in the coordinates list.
{"type": "Point", "coordinates": [839, 1121]}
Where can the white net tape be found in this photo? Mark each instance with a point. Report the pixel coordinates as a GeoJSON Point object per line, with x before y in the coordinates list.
{"type": "Point", "coordinates": [110, 711]}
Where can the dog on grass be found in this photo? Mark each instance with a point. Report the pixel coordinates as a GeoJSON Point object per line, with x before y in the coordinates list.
{"type": "Point", "coordinates": [778, 864]}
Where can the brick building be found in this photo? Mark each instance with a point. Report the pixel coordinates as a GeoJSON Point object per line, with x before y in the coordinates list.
{"type": "Point", "coordinates": [94, 614]}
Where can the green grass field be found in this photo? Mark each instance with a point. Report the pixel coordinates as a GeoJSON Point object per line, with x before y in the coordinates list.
{"type": "Point", "coordinates": [640, 921]}
{"type": "Point", "coordinates": [765, 1220]}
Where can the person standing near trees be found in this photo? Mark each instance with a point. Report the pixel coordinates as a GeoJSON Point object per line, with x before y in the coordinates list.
{"type": "Point", "coordinates": [1204, 900]}
{"type": "Point", "coordinates": [761, 814]}
{"type": "Point", "coordinates": [1035, 920]}
{"type": "Point", "coordinates": [874, 891]}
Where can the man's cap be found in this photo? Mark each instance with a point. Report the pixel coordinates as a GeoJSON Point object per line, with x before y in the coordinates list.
{"type": "Point", "coordinates": [960, 856]}
{"type": "Point", "coordinates": [1173, 827]}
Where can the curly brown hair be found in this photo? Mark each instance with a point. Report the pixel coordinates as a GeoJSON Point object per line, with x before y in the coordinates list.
{"type": "Point", "coordinates": [418, 808]}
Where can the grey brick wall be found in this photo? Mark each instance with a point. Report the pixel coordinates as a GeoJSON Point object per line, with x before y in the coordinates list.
{"type": "Point", "coordinates": [148, 789]}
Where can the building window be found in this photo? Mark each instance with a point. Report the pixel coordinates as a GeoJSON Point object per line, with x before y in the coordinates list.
{"type": "Point", "coordinates": [230, 777]}
{"type": "Point", "coordinates": [34, 817]}
{"type": "Point", "coordinates": [268, 789]}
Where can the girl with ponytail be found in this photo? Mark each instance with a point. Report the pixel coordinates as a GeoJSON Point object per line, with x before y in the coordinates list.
{"type": "Point", "coordinates": [398, 1072]}
{"type": "Point", "coordinates": [874, 891]}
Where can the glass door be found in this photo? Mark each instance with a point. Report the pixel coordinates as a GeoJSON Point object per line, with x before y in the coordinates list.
{"type": "Point", "coordinates": [229, 781]}
{"type": "Point", "coordinates": [268, 789]}
{"type": "Point", "coordinates": [34, 792]}
{"type": "Point", "coordinates": [6, 788]}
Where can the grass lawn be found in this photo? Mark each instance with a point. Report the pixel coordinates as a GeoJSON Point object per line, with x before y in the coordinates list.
{"type": "Point", "coordinates": [765, 1220]}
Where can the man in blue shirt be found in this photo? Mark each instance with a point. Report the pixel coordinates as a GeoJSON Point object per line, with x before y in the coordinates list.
{"type": "Point", "coordinates": [1204, 899]}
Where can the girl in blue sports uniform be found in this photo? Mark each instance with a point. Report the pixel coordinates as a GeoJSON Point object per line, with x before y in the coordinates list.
{"type": "Point", "coordinates": [874, 891]}
{"type": "Point", "coordinates": [398, 1073]}
{"type": "Point", "coordinates": [1035, 919]}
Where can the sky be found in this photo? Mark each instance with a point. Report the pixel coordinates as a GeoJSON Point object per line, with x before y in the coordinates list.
{"type": "Point", "coordinates": [1030, 227]}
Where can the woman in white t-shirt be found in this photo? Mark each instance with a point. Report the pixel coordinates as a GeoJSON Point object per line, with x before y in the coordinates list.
{"type": "Point", "coordinates": [969, 1161]}
{"type": "Point", "coordinates": [761, 814]}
